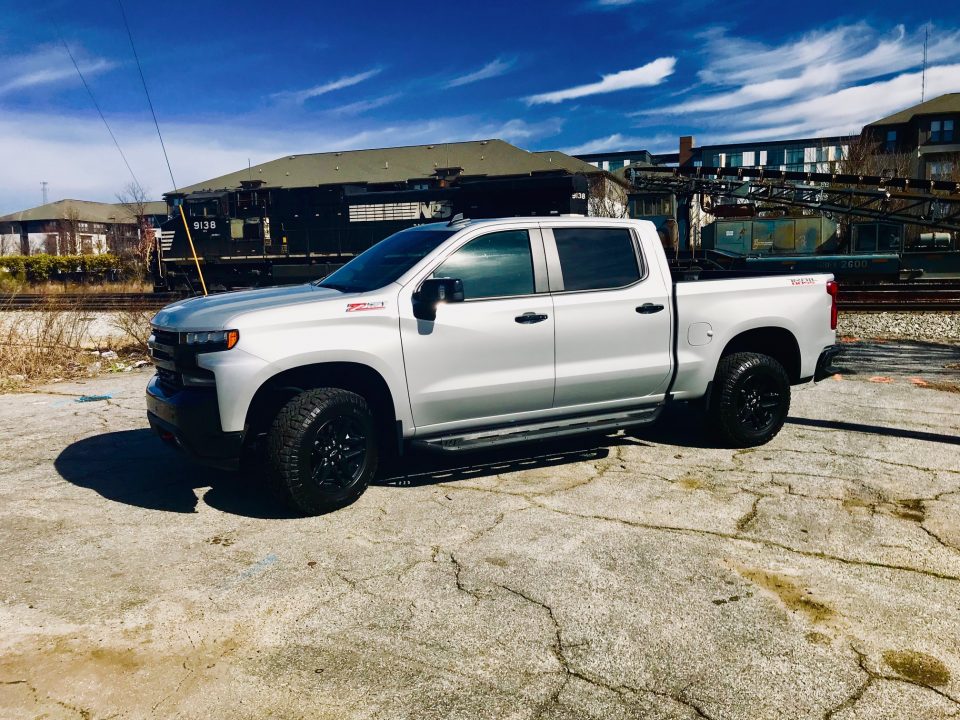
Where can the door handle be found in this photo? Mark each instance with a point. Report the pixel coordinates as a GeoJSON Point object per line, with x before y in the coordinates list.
{"type": "Point", "coordinates": [649, 308]}
{"type": "Point", "coordinates": [529, 318]}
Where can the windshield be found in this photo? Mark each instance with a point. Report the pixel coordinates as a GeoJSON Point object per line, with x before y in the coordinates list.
{"type": "Point", "coordinates": [386, 261]}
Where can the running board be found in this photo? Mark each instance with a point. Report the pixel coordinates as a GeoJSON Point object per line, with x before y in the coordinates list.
{"type": "Point", "coordinates": [544, 430]}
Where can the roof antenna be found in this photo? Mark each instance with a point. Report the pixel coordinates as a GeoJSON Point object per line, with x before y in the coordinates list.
{"type": "Point", "coordinates": [923, 75]}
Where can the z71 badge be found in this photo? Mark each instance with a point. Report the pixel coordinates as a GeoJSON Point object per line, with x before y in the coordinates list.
{"type": "Point", "coordinates": [364, 306]}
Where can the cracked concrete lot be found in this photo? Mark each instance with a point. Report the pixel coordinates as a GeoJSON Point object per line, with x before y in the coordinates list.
{"type": "Point", "coordinates": [641, 575]}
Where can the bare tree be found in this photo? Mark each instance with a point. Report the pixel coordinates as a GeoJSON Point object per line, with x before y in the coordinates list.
{"type": "Point", "coordinates": [606, 197]}
{"type": "Point", "coordinates": [140, 240]}
{"type": "Point", "coordinates": [68, 238]}
{"type": "Point", "coordinates": [866, 157]}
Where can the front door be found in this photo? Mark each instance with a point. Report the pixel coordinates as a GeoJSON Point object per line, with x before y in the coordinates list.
{"type": "Point", "coordinates": [492, 355]}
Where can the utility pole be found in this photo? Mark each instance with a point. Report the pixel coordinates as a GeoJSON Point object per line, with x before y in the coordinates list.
{"type": "Point", "coordinates": [923, 76]}
{"type": "Point", "coordinates": [43, 190]}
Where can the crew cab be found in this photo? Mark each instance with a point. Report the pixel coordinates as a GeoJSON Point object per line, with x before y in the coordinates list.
{"type": "Point", "coordinates": [470, 334]}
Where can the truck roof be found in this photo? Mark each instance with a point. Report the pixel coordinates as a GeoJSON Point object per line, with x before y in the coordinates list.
{"type": "Point", "coordinates": [552, 219]}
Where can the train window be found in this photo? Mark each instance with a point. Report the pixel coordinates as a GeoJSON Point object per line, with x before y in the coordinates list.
{"type": "Point", "coordinates": [496, 265]}
{"type": "Point", "coordinates": [207, 208]}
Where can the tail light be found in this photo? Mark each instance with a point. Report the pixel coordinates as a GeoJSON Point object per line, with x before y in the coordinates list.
{"type": "Point", "coordinates": [832, 290]}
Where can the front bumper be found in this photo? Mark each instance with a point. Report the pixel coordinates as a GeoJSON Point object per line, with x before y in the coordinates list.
{"type": "Point", "coordinates": [190, 417]}
{"type": "Point", "coordinates": [825, 363]}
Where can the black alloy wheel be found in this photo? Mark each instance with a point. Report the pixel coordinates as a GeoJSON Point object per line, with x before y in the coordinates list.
{"type": "Point", "coordinates": [323, 450]}
{"type": "Point", "coordinates": [757, 402]}
{"type": "Point", "coordinates": [339, 453]}
{"type": "Point", "coordinates": [750, 399]}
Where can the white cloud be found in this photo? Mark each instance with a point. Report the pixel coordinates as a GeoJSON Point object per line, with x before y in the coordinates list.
{"type": "Point", "coordinates": [76, 156]}
{"type": "Point", "coordinates": [820, 61]}
{"type": "Point", "coordinates": [612, 4]}
{"type": "Point", "coordinates": [848, 110]}
{"type": "Point", "coordinates": [653, 73]}
{"type": "Point", "coordinates": [492, 69]}
{"type": "Point", "coordinates": [301, 96]}
{"type": "Point", "coordinates": [519, 131]}
{"type": "Point", "coordinates": [362, 106]}
{"type": "Point", "coordinates": [46, 66]}
{"type": "Point", "coordinates": [617, 142]}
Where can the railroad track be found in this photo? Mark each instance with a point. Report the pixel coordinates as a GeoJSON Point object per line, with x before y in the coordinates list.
{"type": "Point", "coordinates": [91, 302]}
{"type": "Point", "coordinates": [918, 296]}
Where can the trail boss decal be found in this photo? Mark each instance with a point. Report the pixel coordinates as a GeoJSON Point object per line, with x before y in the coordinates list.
{"type": "Point", "coordinates": [364, 306]}
{"type": "Point", "coordinates": [803, 281]}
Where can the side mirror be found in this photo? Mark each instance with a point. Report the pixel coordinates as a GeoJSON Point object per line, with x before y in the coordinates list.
{"type": "Point", "coordinates": [433, 291]}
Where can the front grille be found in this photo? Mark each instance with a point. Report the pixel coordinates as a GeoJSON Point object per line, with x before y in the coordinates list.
{"type": "Point", "coordinates": [164, 351]}
{"type": "Point", "coordinates": [169, 378]}
{"type": "Point", "coordinates": [166, 337]}
{"type": "Point", "coordinates": [176, 362]}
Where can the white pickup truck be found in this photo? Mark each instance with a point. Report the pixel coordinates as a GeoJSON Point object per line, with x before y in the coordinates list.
{"type": "Point", "coordinates": [470, 334]}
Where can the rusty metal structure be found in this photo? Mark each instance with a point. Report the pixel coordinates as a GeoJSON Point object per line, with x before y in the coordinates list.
{"type": "Point", "coordinates": [933, 204]}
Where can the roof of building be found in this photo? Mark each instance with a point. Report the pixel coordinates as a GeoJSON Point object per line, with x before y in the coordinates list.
{"type": "Point", "coordinates": [397, 164]}
{"type": "Point", "coordinates": [949, 103]}
{"type": "Point", "coordinates": [616, 154]}
{"type": "Point", "coordinates": [85, 211]}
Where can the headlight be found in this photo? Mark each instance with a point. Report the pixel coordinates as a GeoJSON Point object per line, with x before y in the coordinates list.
{"type": "Point", "coordinates": [213, 340]}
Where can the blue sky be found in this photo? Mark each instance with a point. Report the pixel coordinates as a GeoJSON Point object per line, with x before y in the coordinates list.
{"type": "Point", "coordinates": [253, 80]}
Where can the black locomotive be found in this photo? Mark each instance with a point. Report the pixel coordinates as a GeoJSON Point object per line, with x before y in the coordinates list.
{"type": "Point", "coordinates": [256, 235]}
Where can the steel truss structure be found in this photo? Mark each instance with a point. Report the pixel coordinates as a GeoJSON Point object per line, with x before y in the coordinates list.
{"type": "Point", "coordinates": [933, 204]}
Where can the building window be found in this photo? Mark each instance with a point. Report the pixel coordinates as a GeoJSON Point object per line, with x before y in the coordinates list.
{"type": "Point", "coordinates": [793, 156]}
{"type": "Point", "coordinates": [941, 170]}
{"type": "Point", "coordinates": [941, 131]}
{"type": "Point", "coordinates": [891, 143]}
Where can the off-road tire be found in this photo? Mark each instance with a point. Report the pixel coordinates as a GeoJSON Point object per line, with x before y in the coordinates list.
{"type": "Point", "coordinates": [301, 436]}
{"type": "Point", "coordinates": [750, 399]}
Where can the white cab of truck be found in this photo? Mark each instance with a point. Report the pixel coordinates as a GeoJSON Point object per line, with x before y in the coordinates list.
{"type": "Point", "coordinates": [465, 335]}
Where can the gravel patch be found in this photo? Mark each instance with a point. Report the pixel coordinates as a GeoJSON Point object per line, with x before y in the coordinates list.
{"type": "Point", "coordinates": [930, 326]}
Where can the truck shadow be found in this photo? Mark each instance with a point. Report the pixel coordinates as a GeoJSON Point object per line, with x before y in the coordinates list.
{"type": "Point", "coordinates": [134, 467]}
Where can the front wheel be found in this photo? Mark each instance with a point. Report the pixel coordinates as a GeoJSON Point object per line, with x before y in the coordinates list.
{"type": "Point", "coordinates": [322, 449]}
{"type": "Point", "coordinates": [750, 400]}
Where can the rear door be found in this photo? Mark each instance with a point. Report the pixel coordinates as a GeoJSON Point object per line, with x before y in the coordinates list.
{"type": "Point", "coordinates": [612, 318]}
{"type": "Point", "coordinates": [491, 355]}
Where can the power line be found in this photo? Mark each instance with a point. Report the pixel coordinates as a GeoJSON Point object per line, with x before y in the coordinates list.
{"type": "Point", "coordinates": [147, 93]}
{"type": "Point", "coordinates": [97, 106]}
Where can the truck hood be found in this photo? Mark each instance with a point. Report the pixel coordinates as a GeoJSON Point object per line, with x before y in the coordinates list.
{"type": "Point", "coordinates": [214, 312]}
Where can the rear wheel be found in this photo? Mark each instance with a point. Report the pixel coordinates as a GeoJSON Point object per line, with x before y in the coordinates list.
{"type": "Point", "coordinates": [322, 449]}
{"type": "Point", "coordinates": [751, 399]}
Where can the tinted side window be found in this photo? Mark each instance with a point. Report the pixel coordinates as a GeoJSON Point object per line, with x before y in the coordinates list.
{"type": "Point", "coordinates": [495, 265]}
{"type": "Point", "coordinates": [596, 258]}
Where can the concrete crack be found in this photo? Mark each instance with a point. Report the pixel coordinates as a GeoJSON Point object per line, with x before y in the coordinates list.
{"type": "Point", "coordinates": [857, 694]}
{"type": "Point", "coordinates": [457, 572]}
{"type": "Point", "coordinates": [876, 676]}
{"type": "Point", "coordinates": [758, 541]}
{"type": "Point", "coordinates": [744, 522]}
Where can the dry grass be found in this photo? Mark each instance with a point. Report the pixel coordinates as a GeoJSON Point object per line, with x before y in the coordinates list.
{"type": "Point", "coordinates": [59, 288]}
{"type": "Point", "coordinates": [134, 327]}
{"type": "Point", "coordinates": [54, 342]}
{"type": "Point", "coordinates": [42, 345]}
